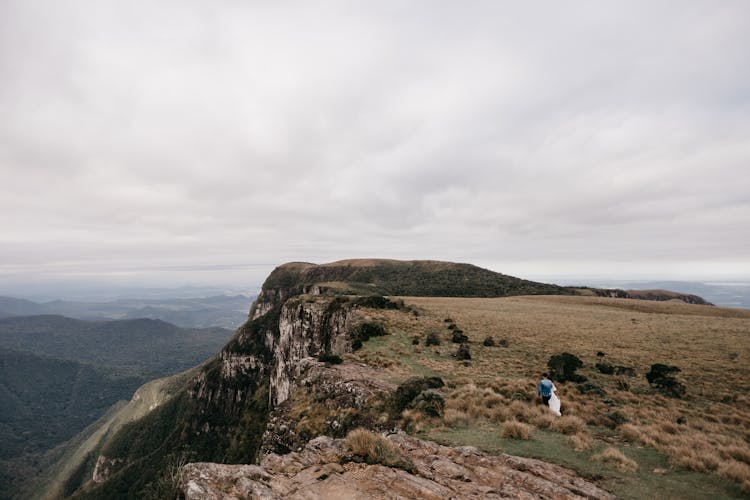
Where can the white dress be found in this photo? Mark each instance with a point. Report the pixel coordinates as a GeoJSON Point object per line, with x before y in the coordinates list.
{"type": "Point", "coordinates": [554, 402]}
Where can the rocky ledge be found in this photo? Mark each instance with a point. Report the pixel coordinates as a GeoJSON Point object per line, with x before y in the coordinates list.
{"type": "Point", "coordinates": [325, 469]}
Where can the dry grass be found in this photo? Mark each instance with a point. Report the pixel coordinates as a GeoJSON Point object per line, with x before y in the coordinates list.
{"type": "Point", "coordinates": [617, 458]}
{"type": "Point", "coordinates": [569, 424]}
{"type": "Point", "coordinates": [375, 449]}
{"type": "Point", "coordinates": [514, 429]}
{"type": "Point", "coordinates": [500, 384]}
{"type": "Point", "coordinates": [581, 441]}
{"type": "Point", "coordinates": [737, 472]}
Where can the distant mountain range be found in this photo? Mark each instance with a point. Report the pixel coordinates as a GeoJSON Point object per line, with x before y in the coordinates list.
{"type": "Point", "coordinates": [225, 311]}
{"type": "Point", "coordinates": [723, 294]}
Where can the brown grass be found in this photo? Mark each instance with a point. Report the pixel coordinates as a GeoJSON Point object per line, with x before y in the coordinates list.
{"type": "Point", "coordinates": [737, 472]}
{"type": "Point", "coordinates": [500, 384]}
{"type": "Point", "coordinates": [569, 424]}
{"type": "Point", "coordinates": [375, 449]}
{"type": "Point", "coordinates": [580, 442]}
{"type": "Point", "coordinates": [617, 458]}
{"type": "Point", "coordinates": [514, 429]}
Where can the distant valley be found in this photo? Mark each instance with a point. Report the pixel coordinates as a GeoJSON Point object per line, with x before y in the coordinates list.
{"type": "Point", "coordinates": [59, 374]}
{"type": "Point", "coordinates": [225, 311]}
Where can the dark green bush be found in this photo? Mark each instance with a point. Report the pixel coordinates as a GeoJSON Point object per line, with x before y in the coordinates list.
{"type": "Point", "coordinates": [459, 337]}
{"type": "Point", "coordinates": [463, 352]}
{"type": "Point", "coordinates": [605, 368]}
{"type": "Point", "coordinates": [489, 342]}
{"type": "Point", "coordinates": [562, 367]}
{"type": "Point", "coordinates": [410, 389]}
{"type": "Point", "coordinates": [660, 376]}
{"type": "Point", "coordinates": [330, 358]}
{"type": "Point", "coordinates": [433, 338]}
{"type": "Point", "coordinates": [363, 331]}
{"type": "Point", "coordinates": [377, 302]}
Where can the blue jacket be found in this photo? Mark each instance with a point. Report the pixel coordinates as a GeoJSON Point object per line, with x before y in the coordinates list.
{"type": "Point", "coordinates": [545, 388]}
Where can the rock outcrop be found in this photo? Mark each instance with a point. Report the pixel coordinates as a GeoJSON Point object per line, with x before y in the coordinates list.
{"type": "Point", "coordinates": [326, 469]}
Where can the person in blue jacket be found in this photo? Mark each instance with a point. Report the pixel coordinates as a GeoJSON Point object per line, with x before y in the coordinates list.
{"type": "Point", "coordinates": [545, 389]}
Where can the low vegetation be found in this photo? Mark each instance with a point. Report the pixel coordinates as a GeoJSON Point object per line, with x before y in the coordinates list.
{"type": "Point", "coordinates": [372, 448]}
{"type": "Point", "coordinates": [604, 348]}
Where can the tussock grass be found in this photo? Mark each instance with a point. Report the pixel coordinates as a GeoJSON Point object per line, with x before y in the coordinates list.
{"type": "Point", "coordinates": [618, 459]}
{"type": "Point", "coordinates": [569, 424]}
{"type": "Point", "coordinates": [372, 448]}
{"type": "Point", "coordinates": [737, 472]}
{"type": "Point", "coordinates": [514, 429]}
{"type": "Point", "coordinates": [580, 441]}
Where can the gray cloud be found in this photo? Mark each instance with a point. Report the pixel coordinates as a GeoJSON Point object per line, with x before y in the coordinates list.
{"type": "Point", "coordinates": [190, 135]}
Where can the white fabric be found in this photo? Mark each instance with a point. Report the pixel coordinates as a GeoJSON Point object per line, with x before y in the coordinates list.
{"type": "Point", "coordinates": [554, 402]}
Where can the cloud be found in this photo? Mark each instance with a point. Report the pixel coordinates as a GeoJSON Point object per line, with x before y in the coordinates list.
{"type": "Point", "coordinates": [144, 136]}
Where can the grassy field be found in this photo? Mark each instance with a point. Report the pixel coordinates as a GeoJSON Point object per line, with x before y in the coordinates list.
{"type": "Point", "coordinates": [697, 446]}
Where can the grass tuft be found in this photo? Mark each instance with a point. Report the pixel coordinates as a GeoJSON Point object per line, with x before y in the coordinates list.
{"type": "Point", "coordinates": [372, 448]}
{"type": "Point", "coordinates": [617, 458]}
{"type": "Point", "coordinates": [513, 429]}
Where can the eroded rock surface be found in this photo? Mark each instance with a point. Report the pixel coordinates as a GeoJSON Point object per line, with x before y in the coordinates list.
{"type": "Point", "coordinates": [324, 469]}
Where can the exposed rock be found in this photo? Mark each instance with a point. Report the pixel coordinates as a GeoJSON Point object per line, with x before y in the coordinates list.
{"type": "Point", "coordinates": [345, 394]}
{"type": "Point", "coordinates": [306, 329]}
{"type": "Point", "coordinates": [324, 469]}
{"type": "Point", "coordinates": [104, 468]}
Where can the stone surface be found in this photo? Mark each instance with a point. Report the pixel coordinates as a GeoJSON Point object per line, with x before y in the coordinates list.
{"type": "Point", "coordinates": [324, 469]}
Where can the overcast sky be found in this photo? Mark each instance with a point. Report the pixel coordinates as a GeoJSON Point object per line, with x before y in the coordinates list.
{"type": "Point", "coordinates": [183, 142]}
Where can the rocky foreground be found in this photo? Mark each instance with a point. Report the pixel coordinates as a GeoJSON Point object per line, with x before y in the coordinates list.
{"type": "Point", "coordinates": [325, 468]}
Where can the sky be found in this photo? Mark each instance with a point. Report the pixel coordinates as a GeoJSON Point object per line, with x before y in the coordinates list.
{"type": "Point", "coordinates": [203, 143]}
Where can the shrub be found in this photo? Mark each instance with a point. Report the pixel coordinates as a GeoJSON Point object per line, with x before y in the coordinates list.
{"type": "Point", "coordinates": [410, 389]}
{"type": "Point", "coordinates": [503, 343]}
{"type": "Point", "coordinates": [514, 429]}
{"type": "Point", "coordinates": [618, 459]}
{"type": "Point", "coordinates": [375, 449]}
{"type": "Point", "coordinates": [489, 342]}
{"type": "Point", "coordinates": [459, 337]}
{"type": "Point", "coordinates": [364, 331]}
{"type": "Point", "coordinates": [377, 302]}
{"type": "Point", "coordinates": [589, 388]}
{"type": "Point", "coordinates": [563, 367]}
{"type": "Point", "coordinates": [429, 402]}
{"type": "Point", "coordinates": [433, 338]}
{"type": "Point", "coordinates": [415, 341]}
{"type": "Point", "coordinates": [463, 352]}
{"type": "Point", "coordinates": [605, 368]}
{"type": "Point", "coordinates": [661, 377]}
{"type": "Point", "coordinates": [330, 358]}
{"type": "Point", "coordinates": [452, 326]}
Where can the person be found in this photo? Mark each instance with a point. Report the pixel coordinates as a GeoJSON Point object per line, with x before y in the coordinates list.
{"type": "Point", "coordinates": [545, 389]}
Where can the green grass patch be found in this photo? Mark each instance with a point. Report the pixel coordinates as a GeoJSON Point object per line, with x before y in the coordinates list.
{"type": "Point", "coordinates": [553, 447]}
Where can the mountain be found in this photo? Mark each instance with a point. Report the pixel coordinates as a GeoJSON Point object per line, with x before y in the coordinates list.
{"type": "Point", "coordinates": [58, 375]}
{"type": "Point", "coordinates": [266, 393]}
{"type": "Point", "coordinates": [146, 347]}
{"type": "Point", "coordinates": [10, 306]}
{"type": "Point", "coordinates": [225, 311]}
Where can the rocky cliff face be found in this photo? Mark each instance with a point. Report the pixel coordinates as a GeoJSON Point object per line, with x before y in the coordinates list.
{"type": "Point", "coordinates": [237, 404]}
{"type": "Point", "coordinates": [327, 469]}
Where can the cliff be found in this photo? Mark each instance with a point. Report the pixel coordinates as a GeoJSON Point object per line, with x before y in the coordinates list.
{"type": "Point", "coordinates": [237, 405]}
